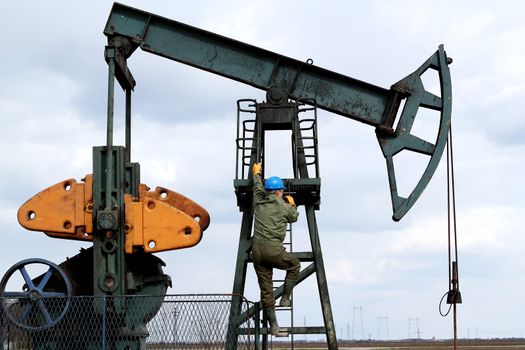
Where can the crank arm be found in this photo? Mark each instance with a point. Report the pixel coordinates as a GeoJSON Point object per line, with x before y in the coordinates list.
{"type": "Point", "coordinates": [401, 139]}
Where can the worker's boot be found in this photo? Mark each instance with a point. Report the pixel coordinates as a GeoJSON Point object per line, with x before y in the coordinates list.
{"type": "Point", "coordinates": [287, 294]}
{"type": "Point", "coordinates": [274, 326]}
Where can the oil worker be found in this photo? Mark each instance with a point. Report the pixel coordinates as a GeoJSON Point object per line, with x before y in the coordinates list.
{"type": "Point", "coordinates": [272, 213]}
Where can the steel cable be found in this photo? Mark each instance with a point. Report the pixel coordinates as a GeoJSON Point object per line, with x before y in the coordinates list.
{"type": "Point", "coordinates": [453, 295]}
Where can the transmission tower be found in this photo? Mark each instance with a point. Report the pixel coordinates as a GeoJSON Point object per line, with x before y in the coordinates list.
{"type": "Point", "coordinates": [360, 309]}
{"type": "Point", "coordinates": [385, 319]}
{"type": "Point", "coordinates": [417, 331]}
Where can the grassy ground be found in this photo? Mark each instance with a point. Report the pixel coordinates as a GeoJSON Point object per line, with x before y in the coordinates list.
{"type": "Point", "coordinates": [492, 344]}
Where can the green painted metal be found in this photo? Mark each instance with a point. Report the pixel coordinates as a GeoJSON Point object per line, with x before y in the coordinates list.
{"type": "Point", "coordinates": [241, 266]}
{"type": "Point", "coordinates": [110, 55]}
{"type": "Point", "coordinates": [109, 177]}
{"type": "Point", "coordinates": [322, 284]}
{"type": "Point", "coordinates": [306, 192]}
{"type": "Point", "coordinates": [109, 268]}
{"type": "Point", "coordinates": [283, 77]}
{"type": "Point", "coordinates": [278, 292]}
{"type": "Point", "coordinates": [128, 125]}
{"type": "Point", "coordinates": [392, 144]}
{"type": "Point", "coordinates": [248, 64]}
{"type": "Point", "coordinates": [115, 273]}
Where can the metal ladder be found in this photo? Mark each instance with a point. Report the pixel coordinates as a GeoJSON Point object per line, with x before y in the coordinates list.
{"type": "Point", "coordinates": [288, 244]}
{"type": "Point", "coordinates": [304, 146]}
{"type": "Point", "coordinates": [253, 120]}
{"type": "Point", "coordinates": [305, 142]}
{"type": "Point", "coordinates": [246, 143]}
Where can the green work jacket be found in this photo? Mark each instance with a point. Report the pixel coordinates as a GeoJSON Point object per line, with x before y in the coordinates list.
{"type": "Point", "coordinates": [271, 214]}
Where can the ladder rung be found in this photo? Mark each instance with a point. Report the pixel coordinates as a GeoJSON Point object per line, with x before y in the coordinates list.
{"type": "Point", "coordinates": [283, 308]}
{"type": "Point", "coordinates": [308, 127]}
{"type": "Point", "coordinates": [245, 139]}
{"type": "Point", "coordinates": [302, 256]}
{"type": "Point", "coordinates": [306, 109]}
{"type": "Point", "coordinates": [294, 330]}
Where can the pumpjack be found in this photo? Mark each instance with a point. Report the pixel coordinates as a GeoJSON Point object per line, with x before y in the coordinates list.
{"type": "Point", "coordinates": [127, 222]}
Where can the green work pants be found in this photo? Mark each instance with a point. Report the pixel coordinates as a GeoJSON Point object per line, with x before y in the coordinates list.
{"type": "Point", "coordinates": [266, 257]}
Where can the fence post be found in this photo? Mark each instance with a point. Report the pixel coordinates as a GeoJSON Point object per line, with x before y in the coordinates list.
{"type": "Point", "coordinates": [257, 320]}
{"type": "Point", "coordinates": [103, 322]}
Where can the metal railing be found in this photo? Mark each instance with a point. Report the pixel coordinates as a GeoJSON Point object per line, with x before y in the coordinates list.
{"type": "Point", "coordinates": [127, 322]}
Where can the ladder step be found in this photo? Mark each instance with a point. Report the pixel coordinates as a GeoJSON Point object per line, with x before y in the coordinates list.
{"type": "Point", "coordinates": [302, 256]}
{"type": "Point", "coordinates": [243, 139]}
{"type": "Point", "coordinates": [291, 330]}
{"type": "Point", "coordinates": [283, 308]}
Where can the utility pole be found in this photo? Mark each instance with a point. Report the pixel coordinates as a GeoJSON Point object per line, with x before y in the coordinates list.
{"type": "Point", "coordinates": [175, 325]}
{"type": "Point", "coordinates": [362, 327]}
{"type": "Point", "coordinates": [304, 324]}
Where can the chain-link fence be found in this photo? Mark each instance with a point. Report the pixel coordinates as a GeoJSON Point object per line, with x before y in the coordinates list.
{"type": "Point", "coordinates": [125, 323]}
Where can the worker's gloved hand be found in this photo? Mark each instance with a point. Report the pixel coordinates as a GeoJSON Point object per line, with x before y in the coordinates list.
{"type": "Point", "coordinates": [257, 168]}
{"type": "Point", "coordinates": [289, 200]}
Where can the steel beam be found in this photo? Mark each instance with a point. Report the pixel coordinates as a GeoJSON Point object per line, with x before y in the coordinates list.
{"type": "Point", "coordinates": [249, 64]}
{"type": "Point", "coordinates": [283, 77]}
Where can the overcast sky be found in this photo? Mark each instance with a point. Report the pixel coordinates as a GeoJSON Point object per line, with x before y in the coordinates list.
{"type": "Point", "coordinates": [53, 110]}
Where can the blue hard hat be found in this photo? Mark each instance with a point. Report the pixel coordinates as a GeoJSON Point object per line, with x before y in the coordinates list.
{"type": "Point", "coordinates": [274, 183]}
